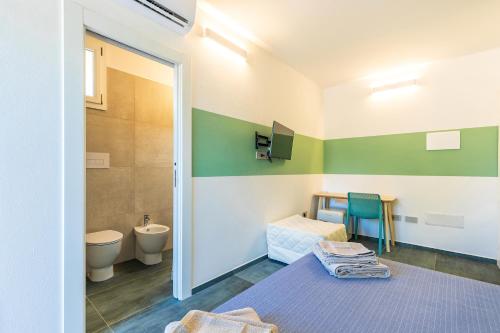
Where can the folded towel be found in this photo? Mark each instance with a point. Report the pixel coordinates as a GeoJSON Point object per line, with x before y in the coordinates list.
{"type": "Point", "coordinates": [239, 321]}
{"type": "Point", "coordinates": [350, 270]}
{"type": "Point", "coordinates": [345, 249]}
{"type": "Point", "coordinates": [346, 253]}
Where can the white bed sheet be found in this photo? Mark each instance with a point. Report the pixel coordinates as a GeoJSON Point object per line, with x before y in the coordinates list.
{"type": "Point", "coordinates": [293, 237]}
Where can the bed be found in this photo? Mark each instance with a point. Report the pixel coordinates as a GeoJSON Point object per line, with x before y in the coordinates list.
{"type": "Point", "coordinates": [303, 298]}
{"type": "Point", "coordinates": [292, 238]}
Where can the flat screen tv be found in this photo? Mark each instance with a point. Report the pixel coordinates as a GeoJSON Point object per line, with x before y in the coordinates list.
{"type": "Point", "coordinates": [281, 142]}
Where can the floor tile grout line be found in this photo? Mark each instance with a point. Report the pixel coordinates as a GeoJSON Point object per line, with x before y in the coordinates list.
{"type": "Point", "coordinates": [99, 313]}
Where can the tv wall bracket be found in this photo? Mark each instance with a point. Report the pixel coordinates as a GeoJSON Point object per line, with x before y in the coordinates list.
{"type": "Point", "coordinates": [262, 144]}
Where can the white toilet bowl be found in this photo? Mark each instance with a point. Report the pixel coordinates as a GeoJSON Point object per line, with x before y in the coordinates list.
{"type": "Point", "coordinates": [103, 247]}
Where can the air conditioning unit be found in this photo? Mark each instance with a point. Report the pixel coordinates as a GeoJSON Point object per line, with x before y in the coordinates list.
{"type": "Point", "coordinates": [177, 15]}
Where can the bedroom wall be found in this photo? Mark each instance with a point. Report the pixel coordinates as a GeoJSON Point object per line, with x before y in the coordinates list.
{"type": "Point", "coordinates": [31, 182]}
{"type": "Point", "coordinates": [257, 91]}
{"type": "Point", "coordinates": [378, 145]}
{"type": "Point", "coordinates": [237, 195]}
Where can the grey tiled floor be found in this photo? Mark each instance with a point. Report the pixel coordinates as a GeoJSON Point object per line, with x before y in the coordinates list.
{"type": "Point", "coordinates": [443, 262]}
{"type": "Point", "coordinates": [139, 299]}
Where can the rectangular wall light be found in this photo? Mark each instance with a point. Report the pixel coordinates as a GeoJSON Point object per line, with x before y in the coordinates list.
{"type": "Point", "coordinates": [224, 41]}
{"type": "Point", "coordinates": [394, 85]}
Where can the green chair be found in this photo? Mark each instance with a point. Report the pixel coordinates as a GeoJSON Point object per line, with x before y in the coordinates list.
{"type": "Point", "coordinates": [365, 206]}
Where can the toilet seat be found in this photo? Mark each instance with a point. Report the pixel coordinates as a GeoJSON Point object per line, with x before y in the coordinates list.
{"type": "Point", "coordinates": [104, 237]}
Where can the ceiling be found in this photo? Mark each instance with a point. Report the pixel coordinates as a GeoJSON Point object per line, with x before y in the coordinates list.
{"type": "Point", "coordinates": [332, 41]}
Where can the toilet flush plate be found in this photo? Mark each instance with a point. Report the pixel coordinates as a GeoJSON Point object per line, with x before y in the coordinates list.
{"type": "Point", "coordinates": [97, 160]}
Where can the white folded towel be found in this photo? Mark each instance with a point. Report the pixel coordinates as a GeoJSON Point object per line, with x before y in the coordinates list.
{"type": "Point", "coordinates": [239, 321]}
{"type": "Point", "coordinates": [353, 263]}
{"type": "Point", "coordinates": [347, 253]}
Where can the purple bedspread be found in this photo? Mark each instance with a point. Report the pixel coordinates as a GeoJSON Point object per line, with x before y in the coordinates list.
{"type": "Point", "coordinates": [303, 297]}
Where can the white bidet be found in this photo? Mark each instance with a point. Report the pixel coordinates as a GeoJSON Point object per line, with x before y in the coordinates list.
{"type": "Point", "coordinates": [150, 241]}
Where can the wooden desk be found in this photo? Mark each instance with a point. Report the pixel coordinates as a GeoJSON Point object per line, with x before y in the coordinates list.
{"type": "Point", "coordinates": [323, 198]}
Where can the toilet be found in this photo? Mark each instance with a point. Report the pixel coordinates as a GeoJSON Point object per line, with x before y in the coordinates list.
{"type": "Point", "coordinates": [103, 247]}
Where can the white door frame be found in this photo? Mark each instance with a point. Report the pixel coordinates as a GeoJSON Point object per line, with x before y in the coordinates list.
{"type": "Point", "coordinates": [76, 19]}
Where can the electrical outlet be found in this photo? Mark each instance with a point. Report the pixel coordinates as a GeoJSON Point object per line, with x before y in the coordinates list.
{"type": "Point", "coordinates": [261, 155]}
{"type": "Point", "coordinates": [396, 217]}
{"type": "Point", "coordinates": [411, 219]}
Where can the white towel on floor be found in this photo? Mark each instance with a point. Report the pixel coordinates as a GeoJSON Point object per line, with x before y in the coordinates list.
{"type": "Point", "coordinates": [239, 321]}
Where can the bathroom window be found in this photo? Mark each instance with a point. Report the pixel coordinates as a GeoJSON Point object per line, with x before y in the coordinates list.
{"type": "Point", "coordinates": [95, 74]}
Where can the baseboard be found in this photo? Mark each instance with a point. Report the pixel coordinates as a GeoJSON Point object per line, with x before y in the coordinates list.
{"type": "Point", "coordinates": [456, 254]}
{"type": "Point", "coordinates": [228, 274]}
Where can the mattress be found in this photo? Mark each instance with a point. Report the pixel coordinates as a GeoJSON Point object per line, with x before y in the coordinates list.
{"type": "Point", "coordinates": [292, 238]}
{"type": "Point", "coordinates": [304, 298]}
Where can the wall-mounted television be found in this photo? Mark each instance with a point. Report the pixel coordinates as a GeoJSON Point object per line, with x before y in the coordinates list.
{"type": "Point", "coordinates": [281, 142]}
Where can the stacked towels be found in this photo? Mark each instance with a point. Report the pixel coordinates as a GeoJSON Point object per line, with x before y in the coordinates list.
{"type": "Point", "coordinates": [349, 260]}
{"type": "Point", "coordinates": [238, 321]}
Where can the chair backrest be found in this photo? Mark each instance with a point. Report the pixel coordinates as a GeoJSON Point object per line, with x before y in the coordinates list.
{"type": "Point", "coordinates": [364, 205]}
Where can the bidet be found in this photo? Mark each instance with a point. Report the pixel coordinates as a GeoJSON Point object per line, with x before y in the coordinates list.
{"type": "Point", "coordinates": [150, 241]}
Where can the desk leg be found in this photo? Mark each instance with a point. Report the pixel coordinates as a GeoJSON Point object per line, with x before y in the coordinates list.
{"type": "Point", "coordinates": [313, 211]}
{"type": "Point", "coordinates": [391, 224]}
{"type": "Point", "coordinates": [386, 228]}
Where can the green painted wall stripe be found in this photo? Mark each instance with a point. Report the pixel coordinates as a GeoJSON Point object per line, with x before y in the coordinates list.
{"type": "Point", "coordinates": [224, 146]}
{"type": "Point", "coordinates": [405, 154]}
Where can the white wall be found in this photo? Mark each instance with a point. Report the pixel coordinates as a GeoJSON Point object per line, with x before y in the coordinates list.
{"type": "Point", "coordinates": [30, 167]}
{"type": "Point", "coordinates": [454, 93]}
{"type": "Point", "coordinates": [230, 227]}
{"type": "Point", "coordinates": [471, 197]}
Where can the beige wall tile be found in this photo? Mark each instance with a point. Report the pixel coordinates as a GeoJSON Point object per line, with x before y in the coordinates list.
{"type": "Point", "coordinates": [153, 146]}
{"type": "Point", "coordinates": [153, 189]}
{"type": "Point", "coordinates": [111, 135]}
{"type": "Point", "coordinates": [110, 191]}
{"type": "Point", "coordinates": [153, 103]}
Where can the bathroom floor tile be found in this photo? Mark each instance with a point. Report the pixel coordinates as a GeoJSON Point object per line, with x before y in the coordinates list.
{"type": "Point", "coordinates": [469, 268]}
{"type": "Point", "coordinates": [154, 319]}
{"type": "Point", "coordinates": [260, 270]}
{"type": "Point", "coordinates": [121, 301]}
{"type": "Point", "coordinates": [94, 323]}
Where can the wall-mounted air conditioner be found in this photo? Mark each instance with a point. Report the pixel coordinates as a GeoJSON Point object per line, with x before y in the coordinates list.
{"type": "Point", "coordinates": [177, 15]}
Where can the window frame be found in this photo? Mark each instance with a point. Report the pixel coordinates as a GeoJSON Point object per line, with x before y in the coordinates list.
{"type": "Point", "coordinates": [99, 100]}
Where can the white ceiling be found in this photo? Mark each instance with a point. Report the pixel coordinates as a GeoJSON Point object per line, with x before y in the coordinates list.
{"type": "Point", "coordinates": [332, 41]}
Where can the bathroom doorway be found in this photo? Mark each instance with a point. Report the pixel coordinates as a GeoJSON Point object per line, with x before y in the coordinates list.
{"type": "Point", "coordinates": [129, 106]}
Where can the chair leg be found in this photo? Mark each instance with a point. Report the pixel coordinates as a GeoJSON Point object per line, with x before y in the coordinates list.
{"type": "Point", "coordinates": [356, 220]}
{"type": "Point", "coordinates": [380, 235]}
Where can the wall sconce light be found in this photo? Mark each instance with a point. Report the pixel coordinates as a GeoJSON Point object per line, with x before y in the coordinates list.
{"type": "Point", "coordinates": [224, 41]}
{"type": "Point", "coordinates": [394, 85]}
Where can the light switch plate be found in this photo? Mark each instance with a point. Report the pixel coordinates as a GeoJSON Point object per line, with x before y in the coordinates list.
{"type": "Point", "coordinates": [97, 160]}
{"type": "Point", "coordinates": [443, 140]}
